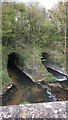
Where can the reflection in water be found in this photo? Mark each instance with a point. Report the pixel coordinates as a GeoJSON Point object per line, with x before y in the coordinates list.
{"type": "Point", "coordinates": [27, 91]}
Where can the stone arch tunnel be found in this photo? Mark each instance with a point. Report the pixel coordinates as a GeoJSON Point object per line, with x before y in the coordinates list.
{"type": "Point", "coordinates": [13, 59]}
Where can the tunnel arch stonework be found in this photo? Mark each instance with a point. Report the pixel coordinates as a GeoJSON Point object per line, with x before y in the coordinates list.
{"type": "Point", "coordinates": [15, 59]}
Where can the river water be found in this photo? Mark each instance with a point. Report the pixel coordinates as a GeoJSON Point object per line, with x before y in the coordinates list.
{"type": "Point", "coordinates": [29, 92]}
{"type": "Point", "coordinates": [26, 90]}
{"type": "Point", "coordinates": [60, 90]}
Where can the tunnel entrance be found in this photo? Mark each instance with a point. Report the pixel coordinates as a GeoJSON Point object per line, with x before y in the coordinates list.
{"type": "Point", "coordinates": [13, 59]}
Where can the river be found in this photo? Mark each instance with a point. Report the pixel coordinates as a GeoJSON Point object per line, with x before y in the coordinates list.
{"type": "Point", "coordinates": [26, 90]}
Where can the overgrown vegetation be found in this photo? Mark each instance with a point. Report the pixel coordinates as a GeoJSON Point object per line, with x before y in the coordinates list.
{"type": "Point", "coordinates": [31, 30]}
{"type": "Point", "coordinates": [5, 77]}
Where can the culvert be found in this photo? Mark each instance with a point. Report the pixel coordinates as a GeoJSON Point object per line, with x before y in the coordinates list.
{"type": "Point", "coordinates": [27, 90]}
{"type": "Point", "coordinates": [13, 59]}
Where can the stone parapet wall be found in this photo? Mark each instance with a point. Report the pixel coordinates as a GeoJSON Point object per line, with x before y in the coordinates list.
{"type": "Point", "coordinates": [40, 111]}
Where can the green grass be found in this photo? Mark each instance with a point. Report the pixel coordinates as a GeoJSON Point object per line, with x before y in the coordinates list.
{"type": "Point", "coordinates": [5, 77]}
{"type": "Point", "coordinates": [25, 102]}
{"type": "Point", "coordinates": [50, 78]}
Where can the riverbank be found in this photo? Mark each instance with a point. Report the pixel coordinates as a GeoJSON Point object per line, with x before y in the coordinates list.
{"type": "Point", "coordinates": [45, 111]}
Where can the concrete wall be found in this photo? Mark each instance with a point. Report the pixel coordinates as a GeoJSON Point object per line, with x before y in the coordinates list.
{"type": "Point", "coordinates": [42, 111]}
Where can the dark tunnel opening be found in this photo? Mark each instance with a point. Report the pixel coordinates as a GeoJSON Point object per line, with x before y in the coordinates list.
{"type": "Point", "coordinates": [13, 59]}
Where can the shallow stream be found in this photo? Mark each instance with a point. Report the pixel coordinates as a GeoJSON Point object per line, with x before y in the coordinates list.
{"type": "Point", "coordinates": [26, 91]}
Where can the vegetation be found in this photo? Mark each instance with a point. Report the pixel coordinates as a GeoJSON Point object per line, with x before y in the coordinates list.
{"type": "Point", "coordinates": [5, 77]}
{"type": "Point", "coordinates": [30, 30]}
{"type": "Point", "coordinates": [50, 78]}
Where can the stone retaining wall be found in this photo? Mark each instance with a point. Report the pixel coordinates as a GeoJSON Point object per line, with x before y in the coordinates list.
{"type": "Point", "coordinates": [40, 111]}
